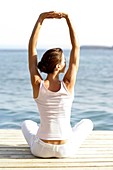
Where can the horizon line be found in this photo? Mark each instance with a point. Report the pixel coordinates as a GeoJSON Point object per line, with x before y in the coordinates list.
{"type": "Point", "coordinates": [65, 48]}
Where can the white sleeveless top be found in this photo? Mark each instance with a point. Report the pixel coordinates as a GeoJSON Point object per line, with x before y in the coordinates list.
{"type": "Point", "coordinates": [55, 111]}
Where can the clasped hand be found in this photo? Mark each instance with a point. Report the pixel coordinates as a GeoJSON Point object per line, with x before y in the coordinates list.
{"type": "Point", "coordinates": [53, 14]}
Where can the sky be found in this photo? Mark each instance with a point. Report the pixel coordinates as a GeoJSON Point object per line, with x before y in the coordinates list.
{"type": "Point", "coordinates": [92, 20]}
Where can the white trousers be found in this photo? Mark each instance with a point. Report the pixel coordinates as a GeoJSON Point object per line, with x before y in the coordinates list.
{"type": "Point", "coordinates": [41, 149]}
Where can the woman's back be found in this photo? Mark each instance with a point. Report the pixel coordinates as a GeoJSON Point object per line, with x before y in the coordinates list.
{"type": "Point", "coordinates": [55, 111]}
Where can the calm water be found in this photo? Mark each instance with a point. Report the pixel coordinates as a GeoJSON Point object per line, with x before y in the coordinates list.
{"type": "Point", "coordinates": [93, 90]}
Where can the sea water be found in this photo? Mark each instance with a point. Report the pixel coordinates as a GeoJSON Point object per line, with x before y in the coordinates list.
{"type": "Point", "coordinates": [93, 89]}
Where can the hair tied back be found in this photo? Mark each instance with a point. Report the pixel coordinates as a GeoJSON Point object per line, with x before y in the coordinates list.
{"type": "Point", "coordinates": [41, 67]}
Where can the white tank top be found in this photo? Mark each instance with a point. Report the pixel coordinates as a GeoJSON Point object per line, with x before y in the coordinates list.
{"type": "Point", "coordinates": [55, 111]}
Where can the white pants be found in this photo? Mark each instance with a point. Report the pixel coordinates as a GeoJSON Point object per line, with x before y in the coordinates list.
{"type": "Point", "coordinates": [41, 149]}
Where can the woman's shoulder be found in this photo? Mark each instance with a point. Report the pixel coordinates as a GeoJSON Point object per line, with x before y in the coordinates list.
{"type": "Point", "coordinates": [36, 88]}
{"type": "Point", "coordinates": [68, 88]}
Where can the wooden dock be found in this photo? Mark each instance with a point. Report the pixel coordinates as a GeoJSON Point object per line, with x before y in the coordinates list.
{"type": "Point", "coordinates": [96, 153]}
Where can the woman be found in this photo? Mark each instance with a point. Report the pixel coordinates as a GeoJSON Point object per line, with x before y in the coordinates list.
{"type": "Point", "coordinates": [54, 137]}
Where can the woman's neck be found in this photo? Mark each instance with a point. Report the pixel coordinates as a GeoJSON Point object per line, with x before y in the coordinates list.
{"type": "Point", "coordinates": [53, 77]}
{"type": "Point", "coordinates": [52, 83]}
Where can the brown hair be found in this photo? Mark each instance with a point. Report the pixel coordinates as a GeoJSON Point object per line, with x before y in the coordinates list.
{"type": "Point", "coordinates": [50, 59]}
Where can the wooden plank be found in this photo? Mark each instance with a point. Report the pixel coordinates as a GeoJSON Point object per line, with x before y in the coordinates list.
{"type": "Point", "coordinates": [80, 151]}
{"type": "Point", "coordinates": [18, 133]}
{"type": "Point", "coordinates": [53, 163]}
{"type": "Point", "coordinates": [95, 153]}
{"type": "Point", "coordinates": [66, 168]}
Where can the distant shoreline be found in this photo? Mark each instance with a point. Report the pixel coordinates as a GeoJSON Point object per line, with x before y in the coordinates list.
{"type": "Point", "coordinates": [95, 47]}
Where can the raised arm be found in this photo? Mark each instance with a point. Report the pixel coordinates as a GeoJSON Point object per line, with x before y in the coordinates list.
{"type": "Point", "coordinates": [32, 54]}
{"type": "Point", "coordinates": [70, 76]}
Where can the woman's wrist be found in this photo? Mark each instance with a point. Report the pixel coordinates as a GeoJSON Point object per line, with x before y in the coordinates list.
{"type": "Point", "coordinates": [41, 18]}
{"type": "Point", "coordinates": [65, 15]}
